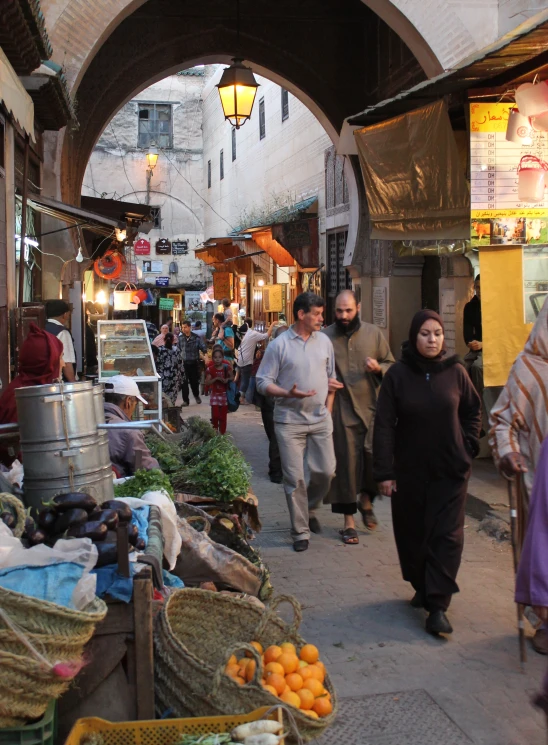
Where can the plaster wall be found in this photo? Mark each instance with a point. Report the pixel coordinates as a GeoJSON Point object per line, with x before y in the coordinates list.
{"type": "Point", "coordinates": [117, 169]}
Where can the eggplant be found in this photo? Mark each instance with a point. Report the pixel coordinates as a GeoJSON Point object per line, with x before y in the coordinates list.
{"type": "Point", "coordinates": [110, 518]}
{"type": "Point", "coordinates": [30, 527]}
{"type": "Point", "coordinates": [124, 510]}
{"type": "Point", "coordinates": [140, 544]}
{"type": "Point", "coordinates": [39, 536]}
{"type": "Point", "coordinates": [95, 530]}
{"type": "Point", "coordinates": [133, 534]}
{"type": "Point", "coordinates": [108, 554]}
{"type": "Point", "coordinates": [73, 500]}
{"type": "Point", "coordinates": [67, 519]}
{"type": "Point", "coordinates": [47, 518]}
{"type": "Point", "coordinates": [96, 511]}
{"type": "Point", "coordinates": [8, 519]}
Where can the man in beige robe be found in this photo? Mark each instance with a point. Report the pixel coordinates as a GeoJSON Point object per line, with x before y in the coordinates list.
{"type": "Point", "coordinates": [362, 356]}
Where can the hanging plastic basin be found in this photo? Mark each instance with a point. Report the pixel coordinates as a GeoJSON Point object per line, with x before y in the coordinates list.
{"type": "Point", "coordinates": [531, 182]}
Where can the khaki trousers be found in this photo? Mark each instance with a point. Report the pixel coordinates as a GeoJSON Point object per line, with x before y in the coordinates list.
{"type": "Point", "coordinates": [312, 443]}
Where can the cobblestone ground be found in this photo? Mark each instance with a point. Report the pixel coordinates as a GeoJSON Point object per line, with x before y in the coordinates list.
{"type": "Point", "coordinates": [356, 609]}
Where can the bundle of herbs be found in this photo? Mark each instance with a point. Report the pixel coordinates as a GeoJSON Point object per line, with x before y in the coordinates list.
{"type": "Point", "coordinates": [195, 432]}
{"type": "Point", "coordinates": [217, 469]}
{"type": "Point", "coordinates": [167, 453]}
{"type": "Point", "coordinates": [143, 481]}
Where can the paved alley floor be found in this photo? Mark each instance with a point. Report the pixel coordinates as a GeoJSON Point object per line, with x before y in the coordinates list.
{"type": "Point", "coordinates": [466, 689]}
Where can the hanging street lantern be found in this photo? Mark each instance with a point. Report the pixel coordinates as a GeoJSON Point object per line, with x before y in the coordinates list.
{"type": "Point", "coordinates": [237, 90]}
{"type": "Point", "coordinates": [152, 157]}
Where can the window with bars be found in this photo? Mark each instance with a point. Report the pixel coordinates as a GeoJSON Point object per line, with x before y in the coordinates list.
{"type": "Point", "coordinates": [262, 120]}
{"type": "Point", "coordinates": [156, 216]}
{"type": "Point", "coordinates": [209, 174]}
{"type": "Point", "coordinates": [338, 277]}
{"type": "Point", "coordinates": [285, 104]}
{"type": "Point", "coordinates": [221, 165]}
{"type": "Point", "coordinates": [155, 125]}
{"type": "Point", "coordinates": [336, 188]}
{"type": "Point", "coordinates": [233, 144]}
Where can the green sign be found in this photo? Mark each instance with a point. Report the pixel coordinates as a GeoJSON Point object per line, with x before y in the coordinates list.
{"type": "Point", "coordinates": [166, 303]}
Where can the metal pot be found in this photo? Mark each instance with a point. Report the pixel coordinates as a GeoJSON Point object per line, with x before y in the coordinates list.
{"type": "Point", "coordinates": [97, 483]}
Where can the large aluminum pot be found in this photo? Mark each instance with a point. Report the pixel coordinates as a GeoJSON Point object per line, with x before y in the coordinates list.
{"type": "Point", "coordinates": [48, 413]}
{"type": "Point", "coordinates": [50, 460]}
{"type": "Point", "coordinates": [98, 402]}
{"type": "Point", "coordinates": [98, 483]}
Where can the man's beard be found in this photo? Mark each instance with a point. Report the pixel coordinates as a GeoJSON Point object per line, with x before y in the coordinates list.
{"type": "Point", "coordinates": [350, 326]}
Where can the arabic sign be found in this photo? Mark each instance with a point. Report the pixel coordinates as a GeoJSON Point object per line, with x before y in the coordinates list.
{"type": "Point", "coordinates": [142, 247]}
{"type": "Point", "coordinates": [179, 248]}
{"type": "Point", "coordinates": [163, 247]}
{"type": "Point", "coordinates": [166, 303]}
{"type": "Point", "coordinates": [162, 281]}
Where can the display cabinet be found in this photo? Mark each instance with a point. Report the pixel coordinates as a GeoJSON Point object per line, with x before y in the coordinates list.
{"type": "Point", "coordinates": [124, 349]}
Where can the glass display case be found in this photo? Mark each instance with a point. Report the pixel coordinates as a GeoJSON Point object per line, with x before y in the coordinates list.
{"type": "Point", "coordinates": [124, 349]}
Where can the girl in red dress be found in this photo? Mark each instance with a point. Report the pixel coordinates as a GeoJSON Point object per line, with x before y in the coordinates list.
{"type": "Point", "coordinates": [219, 375]}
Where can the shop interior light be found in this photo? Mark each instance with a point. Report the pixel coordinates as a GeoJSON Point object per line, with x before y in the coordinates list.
{"type": "Point", "coordinates": [152, 159]}
{"type": "Point", "coordinates": [101, 298]}
{"type": "Point", "coordinates": [237, 91]}
{"type": "Point", "coordinates": [122, 234]}
{"type": "Point", "coordinates": [260, 283]}
{"type": "Point", "coordinates": [79, 255]}
{"type": "Point", "coordinates": [28, 241]}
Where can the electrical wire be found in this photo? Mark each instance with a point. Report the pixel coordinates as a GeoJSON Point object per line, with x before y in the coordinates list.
{"type": "Point", "coordinates": [121, 154]}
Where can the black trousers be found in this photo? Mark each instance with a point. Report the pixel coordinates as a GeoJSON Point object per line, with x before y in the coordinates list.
{"type": "Point", "coordinates": [428, 520]}
{"type": "Point", "coordinates": [267, 414]}
{"type": "Point", "coordinates": [192, 376]}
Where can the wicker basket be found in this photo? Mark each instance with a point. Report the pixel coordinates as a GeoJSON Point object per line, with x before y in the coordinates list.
{"type": "Point", "coordinates": [17, 509]}
{"type": "Point", "coordinates": [56, 633]}
{"type": "Point", "coordinates": [195, 635]}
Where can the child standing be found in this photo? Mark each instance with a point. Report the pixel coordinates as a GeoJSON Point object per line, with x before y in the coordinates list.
{"type": "Point", "coordinates": [219, 375]}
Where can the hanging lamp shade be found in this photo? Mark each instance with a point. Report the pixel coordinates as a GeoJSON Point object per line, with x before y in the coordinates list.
{"type": "Point", "coordinates": [237, 90]}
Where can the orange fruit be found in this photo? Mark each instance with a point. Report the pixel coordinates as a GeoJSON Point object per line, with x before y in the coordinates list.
{"type": "Point", "coordinates": [309, 653]}
{"type": "Point", "coordinates": [322, 706]}
{"type": "Point", "coordinates": [294, 681]}
{"type": "Point", "coordinates": [270, 689]}
{"type": "Point", "coordinates": [291, 698]}
{"type": "Point", "coordinates": [232, 660]}
{"type": "Point", "coordinates": [316, 672]}
{"type": "Point", "coordinates": [289, 662]}
{"type": "Point", "coordinates": [277, 682]}
{"type": "Point", "coordinates": [314, 685]}
{"type": "Point", "coordinates": [274, 667]}
{"type": "Point", "coordinates": [232, 670]}
{"type": "Point", "coordinates": [306, 673]}
{"type": "Point", "coordinates": [288, 647]}
{"type": "Point", "coordinates": [250, 670]}
{"type": "Point", "coordinates": [320, 664]}
{"type": "Point", "coordinates": [241, 671]}
{"type": "Point", "coordinates": [257, 646]}
{"type": "Point", "coordinates": [302, 663]}
{"type": "Point", "coordinates": [239, 680]}
{"type": "Point", "coordinates": [272, 653]}
{"type": "Point", "coordinates": [307, 698]}
{"type": "Point", "coordinates": [311, 713]}
{"type": "Point", "coordinates": [244, 662]}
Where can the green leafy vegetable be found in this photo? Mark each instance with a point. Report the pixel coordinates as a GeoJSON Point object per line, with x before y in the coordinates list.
{"type": "Point", "coordinates": [142, 482]}
{"type": "Point", "coordinates": [168, 454]}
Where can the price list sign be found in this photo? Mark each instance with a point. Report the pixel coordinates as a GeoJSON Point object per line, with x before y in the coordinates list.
{"type": "Point", "coordinates": [498, 217]}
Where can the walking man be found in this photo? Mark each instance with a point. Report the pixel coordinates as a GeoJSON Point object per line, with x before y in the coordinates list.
{"type": "Point", "coordinates": [247, 355]}
{"type": "Point", "coordinates": [362, 356]}
{"type": "Point", "coordinates": [298, 369]}
{"type": "Point", "coordinates": [58, 316]}
{"type": "Point", "coordinates": [191, 345]}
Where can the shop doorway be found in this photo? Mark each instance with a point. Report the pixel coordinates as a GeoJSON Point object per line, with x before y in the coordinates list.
{"type": "Point", "coordinates": [430, 283]}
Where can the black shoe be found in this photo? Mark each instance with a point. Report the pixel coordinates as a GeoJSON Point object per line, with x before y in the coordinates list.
{"type": "Point", "coordinates": [300, 545]}
{"type": "Point", "coordinates": [416, 601]}
{"type": "Point", "coordinates": [438, 623]}
{"type": "Point", "coordinates": [198, 400]}
{"type": "Point", "coordinates": [185, 403]}
{"type": "Point", "coordinates": [314, 524]}
{"type": "Point", "coordinates": [276, 478]}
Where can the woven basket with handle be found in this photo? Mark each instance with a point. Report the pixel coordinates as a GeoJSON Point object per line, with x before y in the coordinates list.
{"type": "Point", "coordinates": [195, 635]}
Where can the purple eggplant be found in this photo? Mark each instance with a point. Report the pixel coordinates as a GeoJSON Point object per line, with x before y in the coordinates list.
{"type": "Point", "coordinates": [67, 519]}
{"type": "Point", "coordinates": [133, 534]}
{"type": "Point", "coordinates": [124, 510]}
{"type": "Point", "coordinates": [109, 517]}
{"type": "Point", "coordinates": [73, 500]}
{"type": "Point", "coordinates": [47, 518]}
{"type": "Point", "coordinates": [140, 545]}
{"type": "Point", "coordinates": [95, 530]}
{"type": "Point", "coordinates": [108, 554]}
{"type": "Point", "coordinates": [39, 536]}
{"type": "Point", "coordinates": [8, 519]}
{"type": "Point", "coordinates": [30, 527]}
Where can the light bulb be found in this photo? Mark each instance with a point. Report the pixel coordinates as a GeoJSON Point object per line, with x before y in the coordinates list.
{"type": "Point", "coordinates": [79, 256]}
{"type": "Point", "coordinates": [261, 283]}
{"type": "Point", "coordinates": [101, 298]}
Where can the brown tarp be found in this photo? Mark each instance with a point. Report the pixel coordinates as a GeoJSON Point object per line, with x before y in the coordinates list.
{"type": "Point", "coordinates": [413, 177]}
{"type": "Point", "coordinates": [300, 238]}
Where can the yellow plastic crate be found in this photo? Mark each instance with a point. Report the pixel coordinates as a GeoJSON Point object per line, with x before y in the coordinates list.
{"type": "Point", "coordinates": [95, 731]}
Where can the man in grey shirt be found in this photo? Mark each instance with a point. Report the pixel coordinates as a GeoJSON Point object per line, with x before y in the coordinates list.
{"type": "Point", "coordinates": [298, 369]}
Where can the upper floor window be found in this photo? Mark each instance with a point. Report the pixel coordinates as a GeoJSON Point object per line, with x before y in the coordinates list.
{"type": "Point", "coordinates": [336, 188]}
{"type": "Point", "coordinates": [233, 144]}
{"type": "Point", "coordinates": [222, 165]}
{"type": "Point", "coordinates": [155, 125]}
{"type": "Point", "coordinates": [285, 104]}
{"type": "Point", "coordinates": [156, 216]}
{"type": "Point", "coordinates": [262, 120]}
{"type": "Point", "coordinates": [209, 174]}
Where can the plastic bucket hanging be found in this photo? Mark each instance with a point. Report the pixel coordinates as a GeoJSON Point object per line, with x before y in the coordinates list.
{"type": "Point", "coordinates": [122, 298]}
{"type": "Point", "coordinates": [532, 99]}
{"type": "Point", "coordinates": [540, 122]}
{"type": "Point", "coordinates": [519, 128]}
{"type": "Point", "coordinates": [531, 178]}
{"type": "Point", "coordinates": [139, 296]}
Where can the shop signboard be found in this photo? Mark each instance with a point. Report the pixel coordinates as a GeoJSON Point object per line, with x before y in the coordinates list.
{"type": "Point", "coordinates": [162, 281]}
{"type": "Point", "coordinates": [379, 307]}
{"type": "Point", "coordinates": [179, 248]}
{"type": "Point", "coordinates": [153, 267]}
{"type": "Point", "coordinates": [177, 300]}
{"type": "Point", "coordinates": [273, 298]}
{"type": "Point", "coordinates": [142, 247]}
{"type": "Point", "coordinates": [193, 300]}
{"type": "Point", "coordinates": [222, 285]}
{"type": "Point", "coordinates": [163, 247]}
{"type": "Point", "coordinates": [166, 303]}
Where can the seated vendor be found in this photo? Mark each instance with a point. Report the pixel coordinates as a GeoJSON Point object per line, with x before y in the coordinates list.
{"type": "Point", "coordinates": [121, 394]}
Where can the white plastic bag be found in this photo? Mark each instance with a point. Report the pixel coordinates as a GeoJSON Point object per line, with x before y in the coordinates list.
{"type": "Point", "coordinates": [168, 513]}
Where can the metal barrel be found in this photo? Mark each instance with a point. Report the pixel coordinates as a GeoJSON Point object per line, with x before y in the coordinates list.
{"type": "Point", "coordinates": [98, 484]}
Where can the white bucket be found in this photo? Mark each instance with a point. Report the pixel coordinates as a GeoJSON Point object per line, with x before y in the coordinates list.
{"type": "Point", "coordinates": [518, 129]}
{"type": "Point", "coordinates": [531, 184]}
{"type": "Point", "coordinates": [540, 122]}
{"type": "Point", "coordinates": [532, 99]}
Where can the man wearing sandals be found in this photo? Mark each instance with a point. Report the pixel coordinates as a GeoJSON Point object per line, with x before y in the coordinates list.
{"type": "Point", "coordinates": [362, 356]}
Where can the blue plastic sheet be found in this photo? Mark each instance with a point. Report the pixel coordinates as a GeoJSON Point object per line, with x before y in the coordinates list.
{"type": "Point", "coordinates": [55, 582]}
{"type": "Point", "coordinates": [109, 582]}
{"type": "Point", "coordinates": [140, 519]}
{"type": "Point", "coordinates": [170, 580]}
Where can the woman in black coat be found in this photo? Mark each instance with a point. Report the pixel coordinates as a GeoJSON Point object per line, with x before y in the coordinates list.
{"type": "Point", "coordinates": [427, 426]}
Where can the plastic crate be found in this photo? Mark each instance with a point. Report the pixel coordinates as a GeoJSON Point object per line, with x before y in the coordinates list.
{"type": "Point", "coordinates": [42, 732]}
{"type": "Point", "coordinates": [157, 731]}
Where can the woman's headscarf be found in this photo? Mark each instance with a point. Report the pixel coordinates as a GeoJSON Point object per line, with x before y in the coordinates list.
{"type": "Point", "coordinates": [416, 324]}
{"type": "Point", "coordinates": [160, 340]}
{"type": "Point", "coordinates": [39, 361]}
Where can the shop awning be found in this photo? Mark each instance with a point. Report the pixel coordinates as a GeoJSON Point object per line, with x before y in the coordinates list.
{"type": "Point", "coordinates": [15, 98]}
{"type": "Point", "coordinates": [516, 55]}
{"type": "Point", "coordinates": [221, 253]}
{"type": "Point", "coordinates": [76, 216]}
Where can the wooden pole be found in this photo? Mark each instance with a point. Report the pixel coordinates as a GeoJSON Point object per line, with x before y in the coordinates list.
{"type": "Point", "coordinates": [23, 224]}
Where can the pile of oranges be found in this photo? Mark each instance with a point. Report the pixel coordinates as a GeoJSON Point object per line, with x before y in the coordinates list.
{"type": "Point", "coordinates": [295, 678]}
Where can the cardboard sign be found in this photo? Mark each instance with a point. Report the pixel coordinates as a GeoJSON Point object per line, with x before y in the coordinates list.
{"type": "Point", "coordinates": [162, 281]}
{"type": "Point", "coordinates": [163, 247]}
{"type": "Point", "coordinates": [179, 248]}
{"type": "Point", "coordinates": [142, 247]}
{"type": "Point", "coordinates": [166, 303]}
